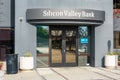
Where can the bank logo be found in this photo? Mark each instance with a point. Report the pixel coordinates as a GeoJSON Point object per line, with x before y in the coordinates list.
{"type": "Point", "coordinates": [68, 13]}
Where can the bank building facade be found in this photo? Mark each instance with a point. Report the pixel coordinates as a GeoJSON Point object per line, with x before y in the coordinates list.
{"type": "Point", "coordinates": [58, 33]}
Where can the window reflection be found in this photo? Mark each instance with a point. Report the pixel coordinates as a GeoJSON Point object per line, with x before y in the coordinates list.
{"type": "Point", "coordinates": [70, 33]}
{"type": "Point", "coordinates": [56, 39]}
{"type": "Point", "coordinates": [70, 46]}
{"type": "Point", "coordinates": [83, 31]}
{"type": "Point", "coordinates": [6, 42]}
{"type": "Point", "coordinates": [56, 46]}
{"type": "Point", "coordinates": [116, 39]}
{"type": "Point", "coordinates": [84, 46]}
{"type": "Point", "coordinates": [56, 33]}
{"type": "Point", "coordinates": [83, 39]}
{"type": "Point", "coordinates": [42, 45]}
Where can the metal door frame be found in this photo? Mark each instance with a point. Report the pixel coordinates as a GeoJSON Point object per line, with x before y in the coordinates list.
{"type": "Point", "coordinates": [63, 28]}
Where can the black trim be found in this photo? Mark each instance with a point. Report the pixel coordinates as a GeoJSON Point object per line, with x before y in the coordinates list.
{"type": "Point", "coordinates": [12, 13]}
{"type": "Point", "coordinates": [92, 46]}
{"type": "Point", "coordinates": [50, 41]}
{"type": "Point", "coordinates": [13, 25]}
{"type": "Point", "coordinates": [65, 22]}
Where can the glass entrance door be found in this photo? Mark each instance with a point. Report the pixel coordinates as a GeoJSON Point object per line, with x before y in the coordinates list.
{"type": "Point", "coordinates": [63, 47]}
{"type": "Point", "coordinates": [56, 51]}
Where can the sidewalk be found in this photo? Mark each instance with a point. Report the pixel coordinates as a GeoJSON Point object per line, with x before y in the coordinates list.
{"type": "Point", "coordinates": [79, 73]}
{"type": "Point", "coordinates": [23, 75]}
{"type": "Point", "coordinates": [66, 73]}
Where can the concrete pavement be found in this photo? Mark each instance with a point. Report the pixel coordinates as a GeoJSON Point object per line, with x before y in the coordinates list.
{"type": "Point", "coordinates": [66, 73]}
{"type": "Point", "coordinates": [22, 75]}
{"type": "Point", "coordinates": [79, 73]}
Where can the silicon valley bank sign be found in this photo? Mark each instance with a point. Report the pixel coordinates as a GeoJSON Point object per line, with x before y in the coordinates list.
{"type": "Point", "coordinates": [65, 14]}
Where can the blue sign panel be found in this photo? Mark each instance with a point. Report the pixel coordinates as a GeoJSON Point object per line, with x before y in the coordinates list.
{"type": "Point", "coordinates": [84, 40]}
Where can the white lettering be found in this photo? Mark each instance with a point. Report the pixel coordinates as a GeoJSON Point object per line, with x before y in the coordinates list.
{"type": "Point", "coordinates": [45, 13]}
{"type": "Point", "coordinates": [66, 13]}
{"type": "Point", "coordinates": [85, 14]}
{"type": "Point", "coordinates": [79, 14]}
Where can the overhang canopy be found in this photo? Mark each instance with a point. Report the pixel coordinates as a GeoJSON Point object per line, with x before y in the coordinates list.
{"type": "Point", "coordinates": [46, 16]}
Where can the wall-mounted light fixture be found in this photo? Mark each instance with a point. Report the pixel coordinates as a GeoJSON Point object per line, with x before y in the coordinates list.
{"type": "Point", "coordinates": [20, 19]}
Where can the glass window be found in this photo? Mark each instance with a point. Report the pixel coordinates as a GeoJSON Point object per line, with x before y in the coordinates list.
{"type": "Point", "coordinates": [84, 46]}
{"type": "Point", "coordinates": [42, 46]}
{"type": "Point", "coordinates": [6, 42]}
{"type": "Point", "coordinates": [83, 39]}
{"type": "Point", "coordinates": [117, 39]}
{"type": "Point", "coordinates": [116, 4]}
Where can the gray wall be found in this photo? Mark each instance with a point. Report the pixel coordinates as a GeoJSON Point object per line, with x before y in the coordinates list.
{"type": "Point", "coordinates": [104, 33]}
{"type": "Point", "coordinates": [5, 13]}
{"type": "Point", "coordinates": [25, 34]}
{"type": "Point", "coordinates": [25, 38]}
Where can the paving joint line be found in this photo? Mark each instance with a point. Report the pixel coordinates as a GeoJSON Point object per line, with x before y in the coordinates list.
{"type": "Point", "coordinates": [40, 61]}
{"type": "Point", "coordinates": [91, 69]}
{"type": "Point", "coordinates": [110, 71]}
{"type": "Point", "coordinates": [59, 74]}
{"type": "Point", "coordinates": [41, 75]}
{"type": "Point", "coordinates": [100, 74]}
{"type": "Point", "coordinates": [104, 74]}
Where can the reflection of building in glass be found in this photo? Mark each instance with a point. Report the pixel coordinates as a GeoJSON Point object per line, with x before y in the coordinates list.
{"type": "Point", "coordinates": [6, 42]}
{"type": "Point", "coordinates": [116, 15]}
{"type": "Point", "coordinates": [83, 39]}
{"type": "Point", "coordinates": [83, 31]}
{"type": "Point", "coordinates": [116, 4]}
{"type": "Point", "coordinates": [42, 39]}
